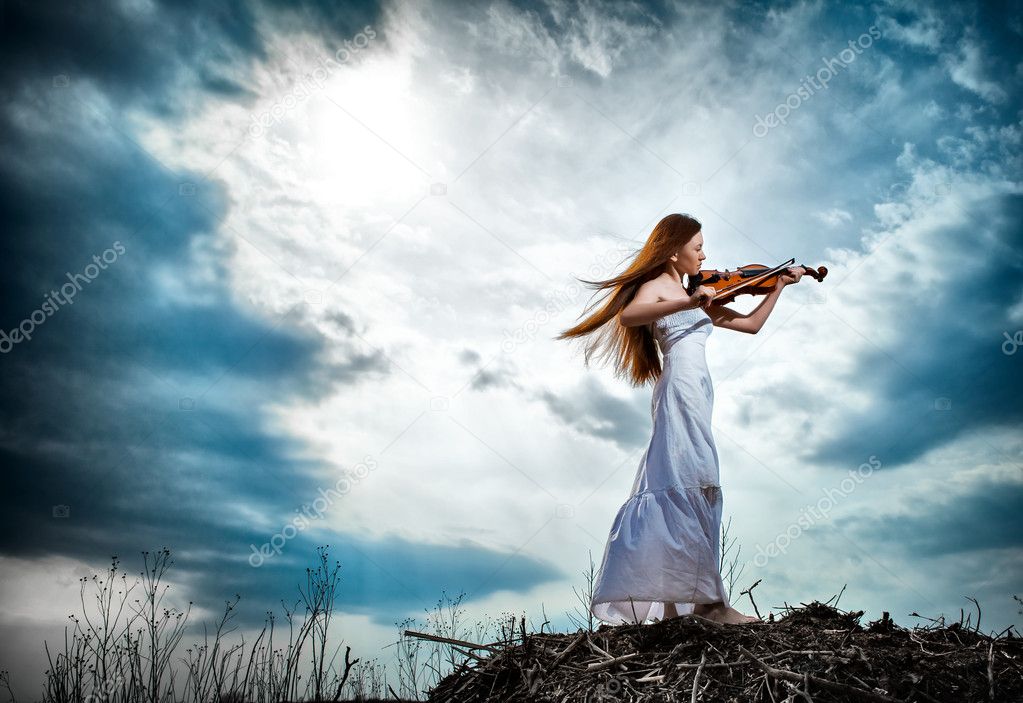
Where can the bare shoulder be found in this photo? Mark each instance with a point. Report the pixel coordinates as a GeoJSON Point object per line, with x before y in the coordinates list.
{"type": "Point", "coordinates": [658, 289]}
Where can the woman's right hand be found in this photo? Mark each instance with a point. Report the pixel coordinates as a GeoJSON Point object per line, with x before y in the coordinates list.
{"type": "Point", "coordinates": [703, 296]}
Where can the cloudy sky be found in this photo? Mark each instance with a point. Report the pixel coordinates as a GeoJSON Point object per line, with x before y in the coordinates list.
{"type": "Point", "coordinates": [282, 275]}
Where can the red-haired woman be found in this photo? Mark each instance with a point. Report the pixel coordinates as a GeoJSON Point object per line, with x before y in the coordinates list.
{"type": "Point", "coordinates": [662, 556]}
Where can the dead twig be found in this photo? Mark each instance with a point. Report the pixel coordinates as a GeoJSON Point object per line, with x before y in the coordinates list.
{"type": "Point", "coordinates": [596, 666]}
{"type": "Point", "coordinates": [448, 640]}
{"type": "Point", "coordinates": [696, 676]}
{"type": "Point", "coordinates": [823, 683]}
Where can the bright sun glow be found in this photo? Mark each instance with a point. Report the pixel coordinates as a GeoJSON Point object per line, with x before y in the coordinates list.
{"type": "Point", "coordinates": [351, 163]}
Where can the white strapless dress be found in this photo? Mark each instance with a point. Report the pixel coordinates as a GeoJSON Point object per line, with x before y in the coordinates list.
{"type": "Point", "coordinates": [664, 545]}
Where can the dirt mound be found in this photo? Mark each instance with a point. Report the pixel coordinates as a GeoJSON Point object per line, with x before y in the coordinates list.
{"type": "Point", "coordinates": [811, 653]}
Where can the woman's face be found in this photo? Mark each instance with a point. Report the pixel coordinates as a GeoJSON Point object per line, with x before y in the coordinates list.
{"type": "Point", "coordinates": [690, 257]}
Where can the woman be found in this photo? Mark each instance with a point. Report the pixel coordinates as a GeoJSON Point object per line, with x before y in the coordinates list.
{"type": "Point", "coordinates": [662, 556]}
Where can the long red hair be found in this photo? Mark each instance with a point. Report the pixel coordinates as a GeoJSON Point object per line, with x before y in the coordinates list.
{"type": "Point", "coordinates": [633, 348]}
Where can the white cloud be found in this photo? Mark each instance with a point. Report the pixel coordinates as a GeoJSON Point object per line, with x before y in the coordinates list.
{"type": "Point", "coordinates": [968, 68]}
{"type": "Point", "coordinates": [833, 217]}
{"type": "Point", "coordinates": [925, 31]}
{"type": "Point", "coordinates": [934, 110]}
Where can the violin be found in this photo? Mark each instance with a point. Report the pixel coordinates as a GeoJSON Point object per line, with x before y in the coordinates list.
{"type": "Point", "coordinates": [754, 279]}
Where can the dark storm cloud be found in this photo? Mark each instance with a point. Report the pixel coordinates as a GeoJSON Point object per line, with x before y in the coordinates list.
{"type": "Point", "coordinates": [985, 516]}
{"type": "Point", "coordinates": [945, 376]}
{"type": "Point", "coordinates": [148, 55]}
{"type": "Point", "coordinates": [133, 416]}
{"type": "Point", "coordinates": [379, 578]}
{"type": "Point", "coordinates": [594, 412]}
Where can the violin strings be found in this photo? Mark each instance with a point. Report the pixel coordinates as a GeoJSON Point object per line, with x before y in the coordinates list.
{"type": "Point", "coordinates": [750, 281]}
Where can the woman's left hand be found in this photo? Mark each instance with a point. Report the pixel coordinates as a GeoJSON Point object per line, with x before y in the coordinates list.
{"type": "Point", "coordinates": [792, 276]}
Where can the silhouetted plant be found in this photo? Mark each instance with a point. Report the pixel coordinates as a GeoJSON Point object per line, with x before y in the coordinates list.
{"type": "Point", "coordinates": [582, 617]}
{"type": "Point", "coordinates": [120, 649]}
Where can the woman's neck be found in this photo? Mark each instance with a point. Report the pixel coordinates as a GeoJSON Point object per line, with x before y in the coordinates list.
{"type": "Point", "coordinates": [675, 275]}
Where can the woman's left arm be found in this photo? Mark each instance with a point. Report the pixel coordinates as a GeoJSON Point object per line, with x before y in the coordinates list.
{"type": "Point", "coordinates": [752, 322]}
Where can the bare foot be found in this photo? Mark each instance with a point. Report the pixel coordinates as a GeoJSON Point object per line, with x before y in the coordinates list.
{"type": "Point", "coordinates": [726, 616]}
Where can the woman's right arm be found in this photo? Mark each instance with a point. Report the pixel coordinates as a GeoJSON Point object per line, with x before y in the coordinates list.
{"type": "Point", "coordinates": [648, 305]}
